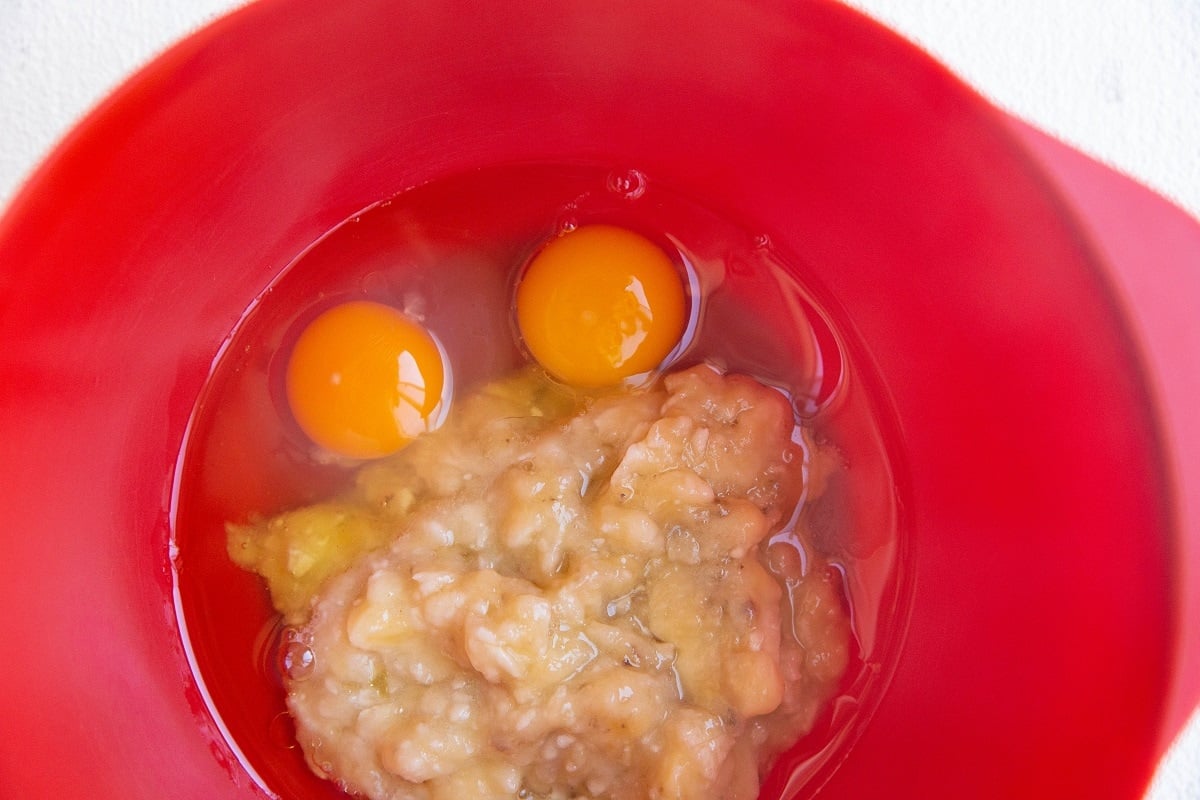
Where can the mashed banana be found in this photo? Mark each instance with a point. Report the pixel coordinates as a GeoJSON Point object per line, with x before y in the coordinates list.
{"type": "Point", "coordinates": [551, 598]}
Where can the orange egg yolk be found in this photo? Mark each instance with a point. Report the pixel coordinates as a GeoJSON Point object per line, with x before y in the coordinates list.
{"type": "Point", "coordinates": [599, 305]}
{"type": "Point", "coordinates": [363, 380]}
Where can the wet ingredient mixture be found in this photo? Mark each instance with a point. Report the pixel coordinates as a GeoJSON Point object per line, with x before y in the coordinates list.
{"type": "Point", "coordinates": [562, 595]}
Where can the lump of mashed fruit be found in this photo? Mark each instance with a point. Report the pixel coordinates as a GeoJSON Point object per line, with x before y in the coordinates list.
{"type": "Point", "coordinates": [572, 600]}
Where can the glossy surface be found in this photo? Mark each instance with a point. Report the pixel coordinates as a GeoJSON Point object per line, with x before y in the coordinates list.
{"type": "Point", "coordinates": [600, 304]}
{"type": "Point", "coordinates": [1041, 495]}
{"type": "Point", "coordinates": [363, 380]}
{"type": "Point", "coordinates": [427, 249]}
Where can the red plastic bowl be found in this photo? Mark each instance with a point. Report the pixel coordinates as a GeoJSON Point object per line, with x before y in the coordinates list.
{"type": "Point", "coordinates": [1048, 490]}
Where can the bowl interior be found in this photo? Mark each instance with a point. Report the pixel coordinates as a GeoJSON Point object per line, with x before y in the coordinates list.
{"type": "Point", "coordinates": [1035, 654]}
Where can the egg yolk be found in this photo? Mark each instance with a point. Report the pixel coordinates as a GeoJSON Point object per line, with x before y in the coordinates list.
{"type": "Point", "coordinates": [600, 304]}
{"type": "Point", "coordinates": [363, 380]}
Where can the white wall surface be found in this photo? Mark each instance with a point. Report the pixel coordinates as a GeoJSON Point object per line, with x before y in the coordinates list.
{"type": "Point", "coordinates": [1119, 79]}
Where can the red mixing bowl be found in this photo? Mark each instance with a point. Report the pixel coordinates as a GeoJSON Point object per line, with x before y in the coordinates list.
{"type": "Point", "coordinates": [1048, 473]}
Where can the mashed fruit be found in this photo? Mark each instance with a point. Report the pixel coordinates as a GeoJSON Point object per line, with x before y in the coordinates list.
{"type": "Point", "coordinates": [562, 596]}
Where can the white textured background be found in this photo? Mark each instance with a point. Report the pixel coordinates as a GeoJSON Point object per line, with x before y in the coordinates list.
{"type": "Point", "coordinates": [1119, 79]}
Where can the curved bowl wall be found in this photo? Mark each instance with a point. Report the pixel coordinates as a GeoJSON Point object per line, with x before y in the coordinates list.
{"type": "Point", "coordinates": [1042, 622]}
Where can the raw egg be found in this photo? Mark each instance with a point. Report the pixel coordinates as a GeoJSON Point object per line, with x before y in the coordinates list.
{"type": "Point", "coordinates": [601, 304]}
{"type": "Point", "coordinates": [363, 380]}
